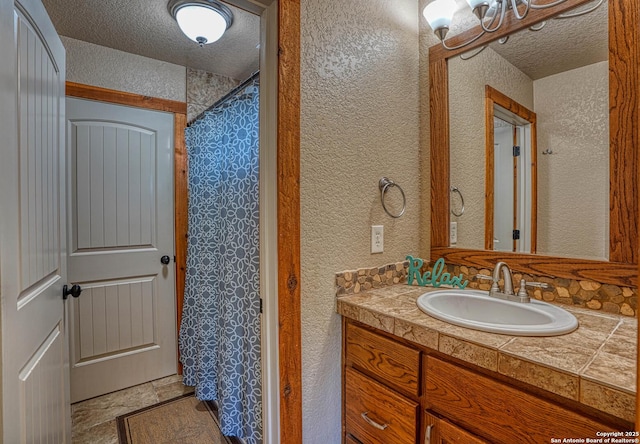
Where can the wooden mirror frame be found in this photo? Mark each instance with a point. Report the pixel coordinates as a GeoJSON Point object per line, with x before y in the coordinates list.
{"type": "Point", "coordinates": [621, 269]}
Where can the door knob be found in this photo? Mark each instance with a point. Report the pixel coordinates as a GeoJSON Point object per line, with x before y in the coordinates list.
{"type": "Point", "coordinates": [165, 260]}
{"type": "Point", "coordinates": [74, 291]}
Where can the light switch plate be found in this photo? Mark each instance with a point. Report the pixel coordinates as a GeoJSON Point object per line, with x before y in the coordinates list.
{"type": "Point", "coordinates": [377, 238]}
{"type": "Point", "coordinates": [453, 233]}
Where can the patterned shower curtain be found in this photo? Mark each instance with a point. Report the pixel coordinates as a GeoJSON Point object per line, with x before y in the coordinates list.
{"type": "Point", "coordinates": [220, 329]}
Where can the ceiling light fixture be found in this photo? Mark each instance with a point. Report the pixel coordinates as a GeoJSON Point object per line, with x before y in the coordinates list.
{"type": "Point", "coordinates": [491, 13]}
{"type": "Point", "coordinates": [203, 21]}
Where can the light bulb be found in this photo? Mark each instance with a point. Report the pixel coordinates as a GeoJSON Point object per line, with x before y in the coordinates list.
{"type": "Point", "coordinates": [201, 24]}
{"type": "Point", "coordinates": [439, 14]}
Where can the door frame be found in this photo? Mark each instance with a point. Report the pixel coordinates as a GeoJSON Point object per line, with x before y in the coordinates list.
{"type": "Point", "coordinates": [287, 206]}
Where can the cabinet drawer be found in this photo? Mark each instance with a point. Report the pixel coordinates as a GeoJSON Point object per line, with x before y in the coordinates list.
{"type": "Point", "coordinates": [494, 409]}
{"type": "Point", "coordinates": [394, 363]}
{"type": "Point", "coordinates": [376, 414]}
{"type": "Point", "coordinates": [441, 431]}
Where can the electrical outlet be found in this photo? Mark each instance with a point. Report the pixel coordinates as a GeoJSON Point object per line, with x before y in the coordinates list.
{"type": "Point", "coordinates": [453, 233]}
{"type": "Point", "coordinates": [377, 238]}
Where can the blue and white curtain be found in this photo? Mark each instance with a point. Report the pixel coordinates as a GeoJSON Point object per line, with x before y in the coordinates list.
{"type": "Point", "coordinates": [220, 329]}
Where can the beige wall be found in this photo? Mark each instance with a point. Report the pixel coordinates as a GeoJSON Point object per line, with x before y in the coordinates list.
{"type": "Point", "coordinates": [204, 89]}
{"type": "Point", "coordinates": [467, 79]}
{"type": "Point", "coordinates": [96, 65]}
{"type": "Point", "coordinates": [573, 182]}
{"type": "Point", "coordinates": [359, 121]}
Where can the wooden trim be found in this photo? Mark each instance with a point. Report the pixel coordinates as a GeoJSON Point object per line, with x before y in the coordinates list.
{"type": "Point", "coordinates": [181, 207]}
{"type": "Point", "coordinates": [624, 80]}
{"type": "Point", "coordinates": [440, 153]}
{"type": "Point", "coordinates": [288, 166]}
{"type": "Point", "coordinates": [179, 109]}
{"type": "Point", "coordinates": [489, 168]}
{"type": "Point", "coordinates": [534, 188]}
{"type": "Point", "coordinates": [124, 98]}
{"type": "Point", "coordinates": [623, 129]}
{"type": "Point", "coordinates": [568, 268]}
{"type": "Point", "coordinates": [495, 97]}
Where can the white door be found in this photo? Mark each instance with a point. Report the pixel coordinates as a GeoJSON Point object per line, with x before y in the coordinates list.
{"type": "Point", "coordinates": [123, 326]}
{"type": "Point", "coordinates": [35, 375]}
{"type": "Point", "coordinates": [503, 189]}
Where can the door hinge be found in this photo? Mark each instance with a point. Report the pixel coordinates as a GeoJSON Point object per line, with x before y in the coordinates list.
{"type": "Point", "coordinates": [516, 151]}
{"type": "Point", "coordinates": [516, 234]}
{"type": "Point", "coordinates": [174, 259]}
{"type": "Point", "coordinates": [260, 305]}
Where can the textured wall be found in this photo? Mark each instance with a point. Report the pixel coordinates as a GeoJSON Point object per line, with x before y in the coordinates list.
{"type": "Point", "coordinates": [427, 40]}
{"type": "Point", "coordinates": [204, 89]}
{"type": "Point", "coordinates": [109, 68]}
{"type": "Point", "coordinates": [359, 121]}
{"type": "Point", "coordinates": [467, 79]}
{"type": "Point", "coordinates": [573, 182]}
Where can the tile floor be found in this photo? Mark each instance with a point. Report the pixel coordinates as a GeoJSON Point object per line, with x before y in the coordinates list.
{"type": "Point", "coordinates": [94, 420]}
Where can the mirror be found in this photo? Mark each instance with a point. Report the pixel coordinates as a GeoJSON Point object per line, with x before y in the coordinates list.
{"type": "Point", "coordinates": [560, 74]}
{"type": "Point", "coordinates": [617, 206]}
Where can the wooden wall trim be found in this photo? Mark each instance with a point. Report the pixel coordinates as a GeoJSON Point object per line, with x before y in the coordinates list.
{"type": "Point", "coordinates": [288, 182]}
{"type": "Point", "coordinates": [489, 168]}
{"type": "Point", "coordinates": [181, 208]}
{"type": "Point", "coordinates": [494, 97]}
{"type": "Point", "coordinates": [623, 129]}
{"type": "Point", "coordinates": [440, 153]}
{"type": "Point", "coordinates": [124, 98]}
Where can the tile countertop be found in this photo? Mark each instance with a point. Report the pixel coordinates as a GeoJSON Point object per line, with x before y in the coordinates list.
{"type": "Point", "coordinates": [594, 365]}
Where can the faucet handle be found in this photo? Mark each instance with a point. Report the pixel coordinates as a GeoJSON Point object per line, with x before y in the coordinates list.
{"type": "Point", "coordinates": [542, 285]}
{"type": "Point", "coordinates": [494, 286]}
{"type": "Point", "coordinates": [522, 293]}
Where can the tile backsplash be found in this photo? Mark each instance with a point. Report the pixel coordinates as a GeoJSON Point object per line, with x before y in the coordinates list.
{"type": "Point", "coordinates": [587, 294]}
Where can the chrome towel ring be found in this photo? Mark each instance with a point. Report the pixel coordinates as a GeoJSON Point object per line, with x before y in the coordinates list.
{"type": "Point", "coordinates": [455, 189]}
{"type": "Point", "coordinates": [384, 184]}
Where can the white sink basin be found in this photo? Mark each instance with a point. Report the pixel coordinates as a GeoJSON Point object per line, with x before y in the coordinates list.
{"type": "Point", "coordinates": [476, 309]}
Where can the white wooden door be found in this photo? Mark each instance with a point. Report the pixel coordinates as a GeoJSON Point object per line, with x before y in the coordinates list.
{"type": "Point", "coordinates": [503, 189]}
{"type": "Point", "coordinates": [35, 375]}
{"type": "Point", "coordinates": [123, 326]}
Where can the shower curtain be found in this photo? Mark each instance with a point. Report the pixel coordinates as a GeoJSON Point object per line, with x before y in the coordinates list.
{"type": "Point", "coordinates": [220, 328]}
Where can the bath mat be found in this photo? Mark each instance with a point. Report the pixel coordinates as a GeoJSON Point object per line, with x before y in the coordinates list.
{"type": "Point", "coordinates": [180, 420]}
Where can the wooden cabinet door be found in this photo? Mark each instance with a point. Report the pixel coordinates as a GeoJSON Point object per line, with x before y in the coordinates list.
{"type": "Point", "coordinates": [441, 431]}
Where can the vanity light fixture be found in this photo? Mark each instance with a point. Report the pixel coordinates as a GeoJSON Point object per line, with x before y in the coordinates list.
{"type": "Point", "coordinates": [490, 13]}
{"type": "Point", "coordinates": [203, 21]}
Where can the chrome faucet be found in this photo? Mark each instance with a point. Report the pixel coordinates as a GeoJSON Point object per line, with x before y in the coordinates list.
{"type": "Point", "coordinates": [507, 293]}
{"type": "Point", "coordinates": [508, 281]}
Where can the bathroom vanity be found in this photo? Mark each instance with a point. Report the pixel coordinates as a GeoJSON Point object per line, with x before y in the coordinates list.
{"type": "Point", "coordinates": [410, 378]}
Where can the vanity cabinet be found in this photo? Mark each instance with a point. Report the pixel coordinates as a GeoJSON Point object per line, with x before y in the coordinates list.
{"type": "Point", "coordinates": [382, 384]}
{"type": "Point", "coordinates": [396, 392]}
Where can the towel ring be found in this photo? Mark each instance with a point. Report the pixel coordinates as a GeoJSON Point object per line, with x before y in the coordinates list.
{"type": "Point", "coordinates": [384, 184]}
{"type": "Point", "coordinates": [455, 189]}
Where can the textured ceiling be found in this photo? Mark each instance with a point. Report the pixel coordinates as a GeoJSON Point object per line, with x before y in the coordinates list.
{"type": "Point", "coordinates": [146, 28]}
{"type": "Point", "coordinates": [560, 46]}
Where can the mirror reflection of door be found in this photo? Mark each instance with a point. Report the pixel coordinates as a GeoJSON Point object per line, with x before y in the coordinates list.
{"type": "Point", "coordinates": [511, 175]}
